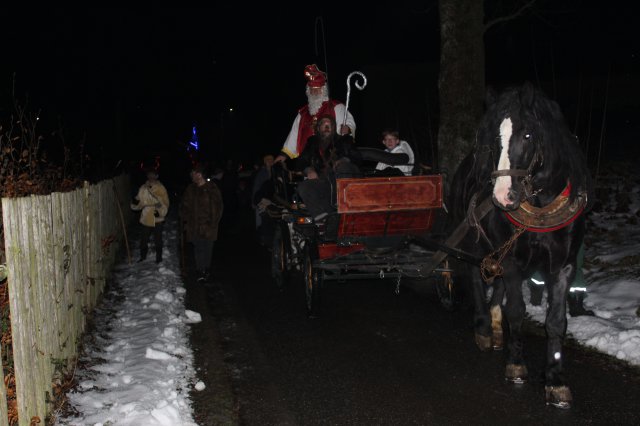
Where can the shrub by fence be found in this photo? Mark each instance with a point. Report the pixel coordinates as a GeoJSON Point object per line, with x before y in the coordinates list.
{"type": "Point", "coordinates": [60, 249]}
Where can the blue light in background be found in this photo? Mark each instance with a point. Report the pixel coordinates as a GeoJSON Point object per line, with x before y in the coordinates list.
{"type": "Point", "coordinates": [194, 139]}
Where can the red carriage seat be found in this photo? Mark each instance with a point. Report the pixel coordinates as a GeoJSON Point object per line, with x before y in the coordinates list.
{"type": "Point", "coordinates": [388, 205]}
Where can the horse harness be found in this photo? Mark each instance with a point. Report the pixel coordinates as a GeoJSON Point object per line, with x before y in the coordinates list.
{"type": "Point", "coordinates": [556, 215]}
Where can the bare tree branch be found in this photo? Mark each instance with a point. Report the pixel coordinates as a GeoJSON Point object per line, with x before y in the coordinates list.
{"type": "Point", "coordinates": [515, 14]}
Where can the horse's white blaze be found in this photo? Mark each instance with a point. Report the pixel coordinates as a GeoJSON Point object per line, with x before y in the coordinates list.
{"type": "Point", "coordinates": [503, 183]}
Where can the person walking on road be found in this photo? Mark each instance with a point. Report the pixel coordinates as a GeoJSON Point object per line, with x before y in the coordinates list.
{"type": "Point", "coordinates": [200, 212]}
{"type": "Point", "coordinates": [152, 201]}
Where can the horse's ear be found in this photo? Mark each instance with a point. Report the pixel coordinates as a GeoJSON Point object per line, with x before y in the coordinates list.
{"type": "Point", "coordinates": [490, 97]}
{"type": "Point", "coordinates": [556, 111]}
{"type": "Point", "coordinates": [527, 94]}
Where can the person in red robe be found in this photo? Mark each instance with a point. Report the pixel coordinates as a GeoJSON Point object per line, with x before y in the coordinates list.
{"type": "Point", "coordinates": [319, 104]}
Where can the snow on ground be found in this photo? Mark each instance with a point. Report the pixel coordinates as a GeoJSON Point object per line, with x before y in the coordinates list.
{"type": "Point", "coordinates": [138, 366]}
{"type": "Point", "coordinates": [612, 272]}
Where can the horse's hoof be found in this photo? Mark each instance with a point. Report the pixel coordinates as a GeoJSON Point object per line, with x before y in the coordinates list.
{"type": "Point", "coordinates": [497, 341]}
{"type": "Point", "coordinates": [483, 342]}
{"type": "Point", "coordinates": [516, 373]}
{"type": "Point", "coordinates": [558, 396]}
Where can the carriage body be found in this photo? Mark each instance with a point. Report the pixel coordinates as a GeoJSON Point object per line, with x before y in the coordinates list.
{"type": "Point", "coordinates": [373, 234]}
{"type": "Point", "coordinates": [377, 216]}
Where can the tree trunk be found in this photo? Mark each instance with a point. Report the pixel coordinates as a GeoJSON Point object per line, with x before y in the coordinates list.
{"type": "Point", "coordinates": [461, 82]}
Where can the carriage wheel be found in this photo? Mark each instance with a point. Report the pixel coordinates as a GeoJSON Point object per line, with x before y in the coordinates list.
{"type": "Point", "coordinates": [312, 282]}
{"type": "Point", "coordinates": [444, 287]}
{"type": "Point", "coordinates": [279, 257]}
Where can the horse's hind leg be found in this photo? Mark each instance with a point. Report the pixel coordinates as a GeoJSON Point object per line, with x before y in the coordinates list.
{"type": "Point", "coordinates": [516, 370]}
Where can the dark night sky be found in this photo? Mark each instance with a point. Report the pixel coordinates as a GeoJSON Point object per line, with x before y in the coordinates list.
{"type": "Point", "coordinates": [135, 80]}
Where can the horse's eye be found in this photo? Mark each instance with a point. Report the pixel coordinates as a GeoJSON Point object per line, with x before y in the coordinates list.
{"type": "Point", "coordinates": [527, 136]}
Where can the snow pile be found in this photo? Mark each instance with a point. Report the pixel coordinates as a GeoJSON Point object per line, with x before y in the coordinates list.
{"type": "Point", "coordinates": [612, 272]}
{"type": "Point", "coordinates": [138, 366]}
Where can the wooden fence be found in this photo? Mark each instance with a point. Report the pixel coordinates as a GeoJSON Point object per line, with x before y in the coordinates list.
{"type": "Point", "coordinates": [60, 249]}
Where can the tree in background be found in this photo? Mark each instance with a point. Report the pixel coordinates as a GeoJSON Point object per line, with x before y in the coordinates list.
{"type": "Point", "coordinates": [461, 83]}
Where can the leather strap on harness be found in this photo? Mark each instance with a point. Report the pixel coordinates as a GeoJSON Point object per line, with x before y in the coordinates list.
{"type": "Point", "coordinates": [459, 233]}
{"type": "Point", "coordinates": [556, 215]}
{"type": "Point", "coordinates": [474, 220]}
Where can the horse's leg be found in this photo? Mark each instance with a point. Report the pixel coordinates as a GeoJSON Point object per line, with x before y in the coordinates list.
{"type": "Point", "coordinates": [557, 393]}
{"type": "Point", "coordinates": [495, 309]}
{"type": "Point", "coordinates": [516, 370]}
{"type": "Point", "coordinates": [481, 318]}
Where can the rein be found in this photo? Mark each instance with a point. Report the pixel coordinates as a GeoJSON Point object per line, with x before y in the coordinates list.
{"type": "Point", "coordinates": [491, 268]}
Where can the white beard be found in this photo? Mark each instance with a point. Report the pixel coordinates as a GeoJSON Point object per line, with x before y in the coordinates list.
{"type": "Point", "coordinates": [316, 101]}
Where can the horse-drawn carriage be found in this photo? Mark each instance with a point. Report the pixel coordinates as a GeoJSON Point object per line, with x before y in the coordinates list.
{"type": "Point", "coordinates": [380, 229]}
{"type": "Point", "coordinates": [522, 191]}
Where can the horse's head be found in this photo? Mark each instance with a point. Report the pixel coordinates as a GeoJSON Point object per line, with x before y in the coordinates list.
{"type": "Point", "coordinates": [524, 152]}
{"type": "Point", "coordinates": [514, 131]}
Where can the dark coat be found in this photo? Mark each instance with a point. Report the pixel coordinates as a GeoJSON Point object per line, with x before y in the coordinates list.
{"type": "Point", "coordinates": [323, 160]}
{"type": "Point", "coordinates": [200, 211]}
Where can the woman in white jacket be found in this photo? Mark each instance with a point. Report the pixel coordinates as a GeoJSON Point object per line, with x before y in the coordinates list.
{"type": "Point", "coordinates": [153, 204]}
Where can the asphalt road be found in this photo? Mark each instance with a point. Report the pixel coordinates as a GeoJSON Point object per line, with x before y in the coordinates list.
{"type": "Point", "coordinates": [372, 358]}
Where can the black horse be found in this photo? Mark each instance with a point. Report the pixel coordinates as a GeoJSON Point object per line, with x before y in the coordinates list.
{"type": "Point", "coordinates": [523, 189]}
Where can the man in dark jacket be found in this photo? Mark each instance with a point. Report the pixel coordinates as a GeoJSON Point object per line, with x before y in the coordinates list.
{"type": "Point", "coordinates": [200, 211]}
{"type": "Point", "coordinates": [326, 157]}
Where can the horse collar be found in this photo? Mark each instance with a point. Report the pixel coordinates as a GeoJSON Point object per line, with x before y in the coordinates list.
{"type": "Point", "coordinates": [556, 215]}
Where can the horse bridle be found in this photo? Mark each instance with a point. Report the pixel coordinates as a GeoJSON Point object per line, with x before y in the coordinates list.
{"type": "Point", "coordinates": [525, 175]}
